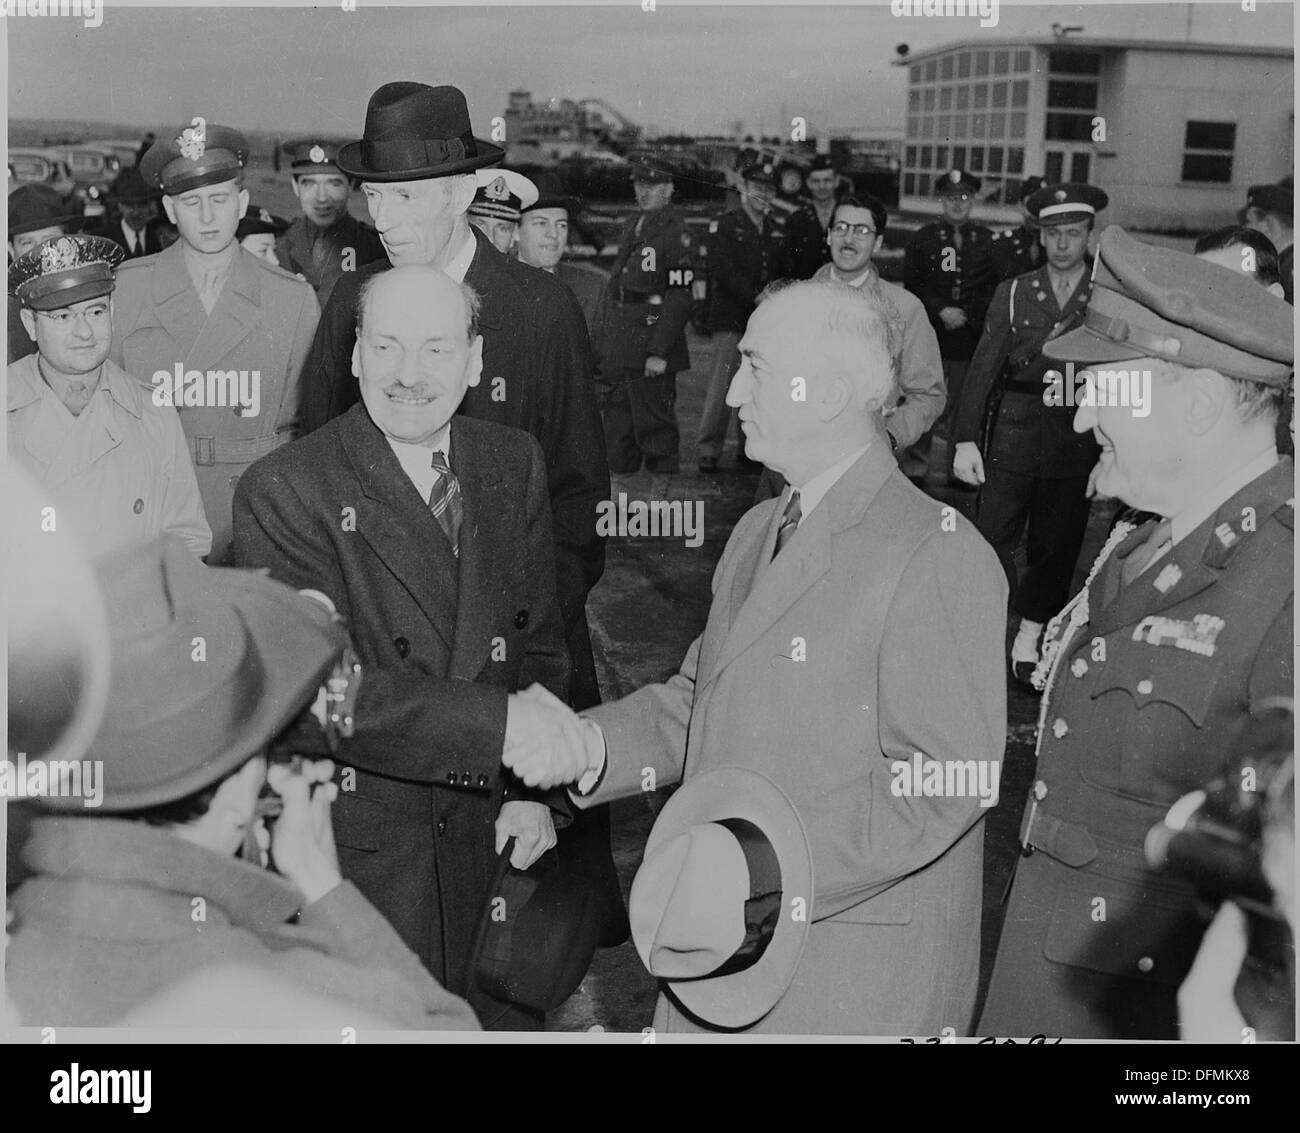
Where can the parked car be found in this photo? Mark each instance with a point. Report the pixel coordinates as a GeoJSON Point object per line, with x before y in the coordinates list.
{"type": "Point", "coordinates": [37, 167]}
{"type": "Point", "coordinates": [90, 165]}
{"type": "Point", "coordinates": [124, 149]}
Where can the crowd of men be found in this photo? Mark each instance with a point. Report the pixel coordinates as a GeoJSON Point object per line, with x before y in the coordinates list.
{"type": "Point", "coordinates": [371, 459]}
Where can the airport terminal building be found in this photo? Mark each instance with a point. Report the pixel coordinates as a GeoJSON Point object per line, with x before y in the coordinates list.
{"type": "Point", "coordinates": [1184, 128]}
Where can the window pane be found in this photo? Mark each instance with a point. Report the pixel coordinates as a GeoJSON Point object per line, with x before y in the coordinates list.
{"type": "Point", "coordinates": [923, 184]}
{"type": "Point", "coordinates": [963, 98]}
{"type": "Point", "coordinates": [976, 159]}
{"type": "Point", "coordinates": [1019, 124]}
{"type": "Point", "coordinates": [909, 183]}
{"type": "Point", "coordinates": [941, 127]}
{"type": "Point", "coordinates": [914, 100]}
{"type": "Point", "coordinates": [981, 99]}
{"type": "Point", "coordinates": [929, 98]}
{"type": "Point", "coordinates": [931, 71]}
{"type": "Point", "coordinates": [1207, 167]}
{"type": "Point", "coordinates": [997, 125]}
{"type": "Point", "coordinates": [910, 156]}
{"type": "Point", "coordinates": [1020, 92]}
{"type": "Point", "coordinates": [945, 67]}
{"type": "Point", "coordinates": [913, 126]}
{"type": "Point", "coordinates": [959, 157]}
{"type": "Point", "coordinates": [1022, 62]}
{"type": "Point", "coordinates": [1079, 166]}
{"type": "Point", "coordinates": [999, 94]}
{"type": "Point", "coordinates": [1073, 63]}
{"type": "Point", "coordinates": [914, 74]}
{"type": "Point", "coordinates": [941, 157]}
{"type": "Point", "coordinates": [927, 127]}
{"type": "Point", "coordinates": [1064, 95]}
{"type": "Point", "coordinates": [981, 62]}
{"type": "Point", "coordinates": [995, 159]}
{"type": "Point", "coordinates": [1069, 127]}
{"type": "Point", "coordinates": [1016, 160]}
{"type": "Point", "coordinates": [1001, 62]}
{"type": "Point", "coordinates": [978, 125]}
{"type": "Point", "coordinates": [1210, 135]}
{"type": "Point", "coordinates": [959, 127]}
{"type": "Point", "coordinates": [1055, 163]}
{"type": "Point", "coordinates": [963, 65]}
{"type": "Point", "coordinates": [927, 157]}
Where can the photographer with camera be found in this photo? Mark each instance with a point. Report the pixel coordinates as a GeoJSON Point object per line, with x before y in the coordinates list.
{"type": "Point", "coordinates": [139, 904]}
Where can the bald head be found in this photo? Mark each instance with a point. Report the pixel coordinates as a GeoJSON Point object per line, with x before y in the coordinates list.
{"type": "Point", "coordinates": [417, 351]}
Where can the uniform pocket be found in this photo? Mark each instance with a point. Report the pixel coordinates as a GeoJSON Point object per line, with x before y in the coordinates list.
{"type": "Point", "coordinates": [357, 822]}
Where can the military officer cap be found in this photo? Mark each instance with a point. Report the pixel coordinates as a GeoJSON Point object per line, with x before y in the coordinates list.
{"type": "Point", "coordinates": [1153, 302]}
{"type": "Point", "coordinates": [169, 729]}
{"type": "Point", "coordinates": [957, 181]}
{"type": "Point", "coordinates": [820, 162]}
{"type": "Point", "coordinates": [551, 195]}
{"type": "Point", "coordinates": [198, 155]}
{"type": "Point", "coordinates": [1272, 198]}
{"type": "Point", "coordinates": [1054, 205]}
{"type": "Point", "coordinates": [760, 172]}
{"type": "Point", "coordinates": [1029, 186]}
{"type": "Point", "coordinates": [63, 271]}
{"type": "Point", "coordinates": [33, 207]}
{"type": "Point", "coordinates": [311, 155]}
{"type": "Point", "coordinates": [502, 193]}
{"type": "Point", "coordinates": [257, 221]}
{"type": "Point", "coordinates": [652, 172]}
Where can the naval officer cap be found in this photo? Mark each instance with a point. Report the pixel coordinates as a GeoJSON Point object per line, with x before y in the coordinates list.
{"type": "Point", "coordinates": [63, 271]}
{"type": "Point", "coordinates": [1054, 205]}
{"type": "Point", "coordinates": [957, 181]}
{"type": "Point", "coordinates": [1272, 198]}
{"type": "Point", "coordinates": [311, 155]}
{"type": "Point", "coordinates": [198, 155]}
{"type": "Point", "coordinates": [760, 172]}
{"type": "Point", "coordinates": [502, 194]}
{"type": "Point", "coordinates": [258, 221]}
{"type": "Point", "coordinates": [1153, 302]}
{"type": "Point", "coordinates": [651, 171]}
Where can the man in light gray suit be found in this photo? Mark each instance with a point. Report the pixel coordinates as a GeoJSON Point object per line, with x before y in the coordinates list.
{"type": "Point", "coordinates": [853, 655]}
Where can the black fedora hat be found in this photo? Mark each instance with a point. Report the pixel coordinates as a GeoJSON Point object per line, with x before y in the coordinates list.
{"type": "Point", "coordinates": [413, 132]}
{"type": "Point", "coordinates": [537, 933]}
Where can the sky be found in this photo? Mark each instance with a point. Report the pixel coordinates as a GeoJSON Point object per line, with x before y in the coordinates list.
{"type": "Point", "coordinates": [689, 68]}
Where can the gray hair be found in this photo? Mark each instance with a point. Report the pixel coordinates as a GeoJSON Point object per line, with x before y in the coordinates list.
{"type": "Point", "coordinates": [861, 334]}
{"type": "Point", "coordinates": [467, 294]}
{"type": "Point", "coordinates": [1251, 399]}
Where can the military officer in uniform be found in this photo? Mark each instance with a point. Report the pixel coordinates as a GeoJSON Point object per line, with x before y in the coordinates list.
{"type": "Point", "coordinates": [1034, 471]}
{"type": "Point", "coordinates": [746, 252]}
{"type": "Point", "coordinates": [1018, 250]}
{"type": "Point", "coordinates": [207, 306]}
{"type": "Point", "coordinates": [949, 267]}
{"type": "Point", "coordinates": [807, 229]}
{"type": "Point", "coordinates": [326, 240]}
{"type": "Point", "coordinates": [1182, 633]}
{"type": "Point", "coordinates": [642, 343]}
{"type": "Point", "coordinates": [498, 204]}
{"type": "Point", "coordinates": [115, 465]}
{"type": "Point", "coordinates": [1270, 209]}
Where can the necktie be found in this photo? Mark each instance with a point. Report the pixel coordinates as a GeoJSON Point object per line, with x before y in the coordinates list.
{"type": "Point", "coordinates": [1063, 291]}
{"type": "Point", "coordinates": [956, 237]}
{"type": "Point", "coordinates": [1144, 554]}
{"type": "Point", "coordinates": [210, 292]}
{"type": "Point", "coordinates": [445, 502]}
{"type": "Point", "coordinates": [789, 522]}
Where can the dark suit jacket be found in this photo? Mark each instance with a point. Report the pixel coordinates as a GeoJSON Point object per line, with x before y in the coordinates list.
{"type": "Point", "coordinates": [968, 285]}
{"type": "Point", "coordinates": [158, 234]}
{"type": "Point", "coordinates": [349, 237]}
{"type": "Point", "coordinates": [441, 642]}
{"type": "Point", "coordinates": [537, 376]}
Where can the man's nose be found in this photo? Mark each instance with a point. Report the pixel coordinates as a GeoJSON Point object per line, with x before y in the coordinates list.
{"type": "Point", "coordinates": [738, 390]}
{"type": "Point", "coordinates": [1085, 418]}
{"type": "Point", "coordinates": [81, 327]}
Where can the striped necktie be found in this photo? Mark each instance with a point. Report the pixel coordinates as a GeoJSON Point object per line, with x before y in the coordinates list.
{"type": "Point", "coordinates": [789, 522]}
{"type": "Point", "coordinates": [445, 501]}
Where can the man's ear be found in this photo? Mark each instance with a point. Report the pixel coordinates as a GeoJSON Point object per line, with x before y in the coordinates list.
{"type": "Point", "coordinates": [1276, 289]}
{"type": "Point", "coordinates": [474, 367]}
{"type": "Point", "coordinates": [463, 194]}
{"type": "Point", "coordinates": [29, 322]}
{"type": "Point", "coordinates": [837, 395]}
{"type": "Point", "coordinates": [169, 207]}
{"type": "Point", "coordinates": [243, 202]}
{"type": "Point", "coordinates": [1206, 397]}
{"type": "Point", "coordinates": [356, 358]}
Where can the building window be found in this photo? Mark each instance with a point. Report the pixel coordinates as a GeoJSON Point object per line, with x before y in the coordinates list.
{"type": "Point", "coordinates": [1015, 160]}
{"type": "Point", "coordinates": [997, 125]}
{"type": "Point", "coordinates": [1001, 62]}
{"type": "Point", "coordinates": [909, 183]}
{"type": "Point", "coordinates": [981, 99]}
{"type": "Point", "coordinates": [1022, 62]}
{"type": "Point", "coordinates": [959, 157]}
{"type": "Point", "coordinates": [978, 123]}
{"type": "Point", "coordinates": [1069, 128]}
{"type": "Point", "coordinates": [929, 98]}
{"type": "Point", "coordinates": [1074, 62]}
{"type": "Point", "coordinates": [1020, 92]}
{"type": "Point", "coordinates": [945, 98]}
{"type": "Point", "coordinates": [913, 126]}
{"type": "Point", "coordinates": [927, 127]}
{"type": "Point", "coordinates": [914, 74]}
{"type": "Point", "coordinates": [913, 100]}
{"type": "Point", "coordinates": [995, 159]}
{"type": "Point", "coordinates": [931, 71]}
{"type": "Point", "coordinates": [923, 185]}
{"type": "Point", "coordinates": [981, 63]}
{"type": "Point", "coordinates": [1207, 151]}
{"type": "Point", "coordinates": [941, 126]}
{"type": "Point", "coordinates": [977, 159]}
{"type": "Point", "coordinates": [963, 65]}
{"type": "Point", "coordinates": [941, 157]}
{"type": "Point", "coordinates": [963, 98]}
{"type": "Point", "coordinates": [945, 67]}
{"type": "Point", "coordinates": [927, 157]}
{"type": "Point", "coordinates": [959, 126]}
{"type": "Point", "coordinates": [999, 94]}
{"type": "Point", "coordinates": [1019, 124]}
{"type": "Point", "coordinates": [910, 158]}
{"type": "Point", "coordinates": [1062, 95]}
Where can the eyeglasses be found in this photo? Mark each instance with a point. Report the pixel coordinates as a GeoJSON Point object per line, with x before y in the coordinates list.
{"type": "Point", "coordinates": [66, 317]}
{"type": "Point", "coordinates": [843, 228]}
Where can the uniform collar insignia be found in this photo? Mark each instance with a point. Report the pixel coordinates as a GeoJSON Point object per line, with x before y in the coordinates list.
{"type": "Point", "coordinates": [1168, 578]}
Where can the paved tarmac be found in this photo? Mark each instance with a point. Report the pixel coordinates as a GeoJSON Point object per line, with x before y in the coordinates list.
{"type": "Point", "coordinates": [651, 603]}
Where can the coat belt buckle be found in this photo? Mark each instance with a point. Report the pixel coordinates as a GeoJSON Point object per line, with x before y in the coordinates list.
{"type": "Point", "coordinates": [205, 450]}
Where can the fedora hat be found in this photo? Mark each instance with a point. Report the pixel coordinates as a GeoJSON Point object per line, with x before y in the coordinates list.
{"type": "Point", "coordinates": [536, 934]}
{"type": "Point", "coordinates": [712, 906]}
{"type": "Point", "coordinates": [413, 132]}
{"type": "Point", "coordinates": [207, 665]}
{"type": "Point", "coordinates": [33, 207]}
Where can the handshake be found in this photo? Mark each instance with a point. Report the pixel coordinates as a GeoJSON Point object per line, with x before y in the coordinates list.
{"type": "Point", "coordinates": [547, 744]}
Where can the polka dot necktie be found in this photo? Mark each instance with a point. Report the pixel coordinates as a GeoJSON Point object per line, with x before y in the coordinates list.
{"type": "Point", "coordinates": [445, 502]}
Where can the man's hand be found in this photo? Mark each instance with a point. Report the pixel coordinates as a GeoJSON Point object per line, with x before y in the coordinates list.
{"type": "Point", "coordinates": [654, 366]}
{"type": "Point", "coordinates": [302, 843]}
{"type": "Point", "coordinates": [531, 826]}
{"type": "Point", "coordinates": [1207, 1010]}
{"type": "Point", "coordinates": [954, 318]}
{"type": "Point", "coordinates": [547, 745]}
{"type": "Point", "coordinates": [967, 464]}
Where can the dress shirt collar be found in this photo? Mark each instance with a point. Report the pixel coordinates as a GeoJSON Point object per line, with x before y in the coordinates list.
{"type": "Point", "coordinates": [200, 265]}
{"type": "Point", "coordinates": [417, 460]}
{"type": "Point", "coordinates": [813, 492]}
{"type": "Point", "coordinates": [857, 281]}
{"type": "Point", "coordinates": [134, 239]}
{"type": "Point", "coordinates": [458, 265]}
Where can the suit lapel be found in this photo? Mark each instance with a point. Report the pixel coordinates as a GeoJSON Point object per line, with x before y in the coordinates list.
{"type": "Point", "coordinates": [398, 525]}
{"type": "Point", "coordinates": [237, 312]}
{"type": "Point", "coordinates": [764, 588]}
{"type": "Point", "coordinates": [482, 546]}
{"type": "Point", "coordinates": [176, 303]}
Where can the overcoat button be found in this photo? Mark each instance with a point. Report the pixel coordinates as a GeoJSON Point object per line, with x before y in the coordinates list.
{"type": "Point", "coordinates": [442, 826]}
{"type": "Point", "coordinates": [465, 779]}
{"type": "Point", "coordinates": [1079, 666]}
{"type": "Point", "coordinates": [1145, 687]}
{"type": "Point", "coordinates": [1146, 964]}
{"type": "Point", "coordinates": [138, 506]}
{"type": "Point", "coordinates": [482, 780]}
{"type": "Point", "coordinates": [403, 646]}
{"type": "Point", "coordinates": [451, 778]}
{"type": "Point", "coordinates": [521, 619]}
